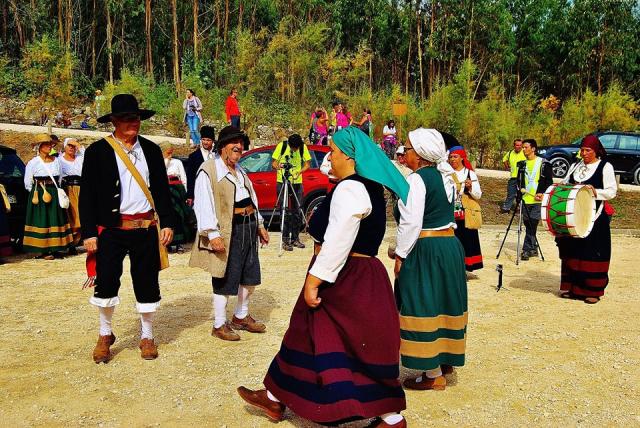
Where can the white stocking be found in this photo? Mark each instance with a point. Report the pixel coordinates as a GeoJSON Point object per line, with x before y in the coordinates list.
{"type": "Point", "coordinates": [219, 310]}
{"type": "Point", "coordinates": [146, 320]}
{"type": "Point", "coordinates": [244, 293]}
{"type": "Point", "coordinates": [105, 320]}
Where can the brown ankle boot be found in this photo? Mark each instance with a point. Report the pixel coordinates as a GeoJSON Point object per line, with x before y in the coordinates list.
{"type": "Point", "coordinates": [148, 349]}
{"type": "Point", "coordinates": [273, 409]}
{"type": "Point", "coordinates": [439, 383]}
{"type": "Point", "coordinates": [248, 323]}
{"type": "Point", "coordinates": [102, 353]}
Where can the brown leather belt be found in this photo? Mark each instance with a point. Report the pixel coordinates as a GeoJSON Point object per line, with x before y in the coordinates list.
{"type": "Point", "coordinates": [244, 211]}
{"type": "Point", "coordinates": [436, 233]}
{"type": "Point", "coordinates": [317, 247]}
{"type": "Point", "coordinates": [137, 221]}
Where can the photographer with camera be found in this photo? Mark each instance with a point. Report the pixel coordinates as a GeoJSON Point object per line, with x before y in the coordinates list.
{"type": "Point", "coordinates": [534, 177]}
{"type": "Point", "coordinates": [291, 158]}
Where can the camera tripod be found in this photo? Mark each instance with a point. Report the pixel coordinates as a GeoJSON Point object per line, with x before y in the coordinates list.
{"type": "Point", "coordinates": [282, 203]}
{"type": "Point", "coordinates": [520, 206]}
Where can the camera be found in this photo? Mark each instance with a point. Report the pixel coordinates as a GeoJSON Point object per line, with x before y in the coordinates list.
{"type": "Point", "coordinates": [286, 166]}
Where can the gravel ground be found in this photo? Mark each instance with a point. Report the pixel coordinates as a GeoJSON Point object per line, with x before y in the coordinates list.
{"type": "Point", "coordinates": [532, 358]}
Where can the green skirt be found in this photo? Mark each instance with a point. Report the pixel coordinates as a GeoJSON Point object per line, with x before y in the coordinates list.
{"type": "Point", "coordinates": [184, 215]}
{"type": "Point", "coordinates": [46, 228]}
{"type": "Point", "coordinates": [433, 312]}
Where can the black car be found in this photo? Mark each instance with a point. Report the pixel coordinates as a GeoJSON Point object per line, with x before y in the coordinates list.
{"type": "Point", "coordinates": [12, 177]}
{"type": "Point", "coordinates": [623, 152]}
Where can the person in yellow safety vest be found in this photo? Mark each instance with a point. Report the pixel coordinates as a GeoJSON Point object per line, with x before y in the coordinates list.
{"type": "Point", "coordinates": [510, 161]}
{"type": "Point", "coordinates": [535, 175]}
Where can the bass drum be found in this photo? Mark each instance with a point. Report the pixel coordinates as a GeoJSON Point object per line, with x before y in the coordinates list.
{"type": "Point", "coordinates": [569, 210]}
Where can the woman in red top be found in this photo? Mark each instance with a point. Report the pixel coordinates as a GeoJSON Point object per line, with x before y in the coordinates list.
{"type": "Point", "coordinates": [233, 109]}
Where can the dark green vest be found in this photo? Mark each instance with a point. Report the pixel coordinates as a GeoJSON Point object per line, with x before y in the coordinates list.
{"type": "Point", "coordinates": [438, 211]}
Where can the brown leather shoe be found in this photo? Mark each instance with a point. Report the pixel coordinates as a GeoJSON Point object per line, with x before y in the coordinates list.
{"type": "Point", "coordinates": [380, 423]}
{"type": "Point", "coordinates": [249, 324]}
{"type": "Point", "coordinates": [273, 409]}
{"type": "Point", "coordinates": [102, 353]}
{"type": "Point", "coordinates": [148, 349]}
{"type": "Point", "coordinates": [439, 383]}
{"type": "Point", "coordinates": [446, 369]}
{"type": "Point", "coordinates": [225, 333]}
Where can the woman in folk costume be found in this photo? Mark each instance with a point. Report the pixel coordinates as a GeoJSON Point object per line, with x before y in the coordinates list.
{"type": "Point", "coordinates": [585, 261]}
{"type": "Point", "coordinates": [430, 266]}
{"type": "Point", "coordinates": [46, 229]}
{"type": "Point", "coordinates": [5, 236]}
{"type": "Point", "coordinates": [339, 358]}
{"type": "Point", "coordinates": [178, 189]}
{"type": "Point", "coordinates": [467, 182]}
{"type": "Point", "coordinates": [70, 173]}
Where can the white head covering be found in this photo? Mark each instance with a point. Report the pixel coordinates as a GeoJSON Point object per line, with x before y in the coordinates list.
{"type": "Point", "coordinates": [67, 141]}
{"type": "Point", "coordinates": [429, 145]}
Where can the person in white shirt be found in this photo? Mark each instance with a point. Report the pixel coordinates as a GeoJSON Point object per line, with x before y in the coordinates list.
{"type": "Point", "coordinates": [466, 183]}
{"type": "Point", "coordinates": [229, 227]}
{"type": "Point", "coordinates": [430, 266]}
{"type": "Point", "coordinates": [389, 140]}
{"type": "Point", "coordinates": [70, 172]}
{"type": "Point", "coordinates": [585, 261]}
{"type": "Point", "coordinates": [46, 229]}
{"type": "Point", "coordinates": [178, 188]}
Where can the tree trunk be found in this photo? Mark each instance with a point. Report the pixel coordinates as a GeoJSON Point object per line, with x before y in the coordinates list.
{"type": "Point", "coordinates": [68, 25]}
{"type": "Point", "coordinates": [240, 15]}
{"type": "Point", "coordinates": [176, 58]}
{"type": "Point", "coordinates": [109, 42]}
{"type": "Point", "coordinates": [431, 67]}
{"type": "Point", "coordinates": [406, 74]}
{"type": "Point", "coordinates": [16, 17]}
{"type": "Point", "coordinates": [601, 58]}
{"type": "Point", "coordinates": [93, 40]}
{"type": "Point", "coordinates": [471, 31]}
{"type": "Point", "coordinates": [218, 21]}
{"type": "Point", "coordinates": [419, 39]}
{"type": "Point", "coordinates": [196, 12]}
{"type": "Point", "coordinates": [148, 57]}
{"type": "Point", "coordinates": [5, 22]}
{"type": "Point", "coordinates": [226, 21]}
{"type": "Point", "coordinates": [60, 24]}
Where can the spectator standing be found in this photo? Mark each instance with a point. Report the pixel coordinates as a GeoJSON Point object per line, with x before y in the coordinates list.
{"type": "Point", "coordinates": [510, 162]}
{"type": "Point", "coordinates": [192, 115]}
{"type": "Point", "coordinates": [199, 155]}
{"type": "Point", "coordinates": [178, 189]}
{"type": "Point", "coordinates": [232, 108]}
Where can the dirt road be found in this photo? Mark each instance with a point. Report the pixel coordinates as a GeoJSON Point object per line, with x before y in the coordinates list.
{"type": "Point", "coordinates": [532, 358]}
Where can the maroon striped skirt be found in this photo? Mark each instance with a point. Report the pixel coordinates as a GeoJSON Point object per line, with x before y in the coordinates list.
{"type": "Point", "coordinates": [585, 261]}
{"type": "Point", "coordinates": [340, 361]}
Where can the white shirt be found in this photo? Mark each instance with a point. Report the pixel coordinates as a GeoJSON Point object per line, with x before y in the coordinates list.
{"type": "Point", "coordinates": [132, 198]}
{"type": "Point", "coordinates": [71, 167]}
{"type": "Point", "coordinates": [207, 154]}
{"type": "Point", "coordinates": [411, 216]}
{"type": "Point", "coordinates": [175, 167]}
{"type": "Point", "coordinates": [36, 168]}
{"type": "Point", "coordinates": [349, 205]}
{"type": "Point", "coordinates": [582, 173]}
{"type": "Point", "coordinates": [203, 203]}
{"type": "Point", "coordinates": [388, 131]}
{"type": "Point", "coordinates": [475, 192]}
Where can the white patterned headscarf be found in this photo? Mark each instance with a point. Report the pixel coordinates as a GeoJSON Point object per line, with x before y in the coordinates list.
{"type": "Point", "coordinates": [429, 145]}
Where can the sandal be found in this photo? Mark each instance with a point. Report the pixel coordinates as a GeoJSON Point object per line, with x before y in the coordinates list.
{"type": "Point", "coordinates": [591, 300]}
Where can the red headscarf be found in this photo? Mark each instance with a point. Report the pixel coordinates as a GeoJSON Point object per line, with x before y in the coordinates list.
{"type": "Point", "coordinates": [592, 142]}
{"type": "Point", "coordinates": [459, 150]}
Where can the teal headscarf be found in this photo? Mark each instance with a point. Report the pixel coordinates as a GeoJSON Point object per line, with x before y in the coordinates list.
{"type": "Point", "coordinates": [371, 162]}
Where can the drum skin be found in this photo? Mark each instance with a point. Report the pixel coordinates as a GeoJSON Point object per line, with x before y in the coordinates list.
{"type": "Point", "coordinates": [568, 210]}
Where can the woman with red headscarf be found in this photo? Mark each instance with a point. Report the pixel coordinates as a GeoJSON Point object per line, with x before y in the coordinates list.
{"type": "Point", "coordinates": [466, 182]}
{"type": "Point", "coordinates": [585, 261]}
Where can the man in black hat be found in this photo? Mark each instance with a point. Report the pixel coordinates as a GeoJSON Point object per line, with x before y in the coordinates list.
{"type": "Point", "coordinates": [229, 226]}
{"type": "Point", "coordinates": [199, 155]}
{"type": "Point", "coordinates": [117, 218]}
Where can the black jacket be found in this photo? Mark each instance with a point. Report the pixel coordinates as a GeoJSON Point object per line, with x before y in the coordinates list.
{"type": "Point", "coordinates": [194, 162]}
{"type": "Point", "coordinates": [100, 184]}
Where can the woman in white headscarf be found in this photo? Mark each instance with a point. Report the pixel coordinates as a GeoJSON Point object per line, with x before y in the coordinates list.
{"type": "Point", "coordinates": [430, 266]}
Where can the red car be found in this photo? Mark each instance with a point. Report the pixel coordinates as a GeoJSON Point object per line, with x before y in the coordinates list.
{"type": "Point", "coordinates": [257, 164]}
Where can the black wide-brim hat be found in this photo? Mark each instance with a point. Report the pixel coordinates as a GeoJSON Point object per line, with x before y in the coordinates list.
{"type": "Point", "coordinates": [229, 134]}
{"type": "Point", "coordinates": [123, 104]}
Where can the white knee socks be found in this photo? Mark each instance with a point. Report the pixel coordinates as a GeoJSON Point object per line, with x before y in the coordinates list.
{"type": "Point", "coordinates": [105, 320]}
{"type": "Point", "coordinates": [244, 293]}
{"type": "Point", "coordinates": [146, 320]}
{"type": "Point", "coordinates": [219, 310]}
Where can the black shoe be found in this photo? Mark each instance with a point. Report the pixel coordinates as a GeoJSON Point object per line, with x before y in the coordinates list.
{"type": "Point", "coordinates": [297, 244]}
{"type": "Point", "coordinates": [503, 211]}
{"type": "Point", "coordinates": [72, 251]}
{"type": "Point", "coordinates": [524, 256]}
{"type": "Point", "coordinates": [287, 247]}
{"type": "Point", "coordinates": [533, 253]}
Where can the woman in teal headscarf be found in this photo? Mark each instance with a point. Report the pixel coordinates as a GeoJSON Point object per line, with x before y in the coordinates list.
{"type": "Point", "coordinates": [339, 359]}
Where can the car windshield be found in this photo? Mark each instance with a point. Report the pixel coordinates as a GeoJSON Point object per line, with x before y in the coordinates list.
{"type": "Point", "coordinates": [257, 161]}
{"type": "Point", "coordinates": [11, 165]}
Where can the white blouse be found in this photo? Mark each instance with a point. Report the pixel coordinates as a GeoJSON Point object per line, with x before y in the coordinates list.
{"type": "Point", "coordinates": [36, 168]}
{"type": "Point", "coordinates": [175, 167]}
{"type": "Point", "coordinates": [475, 192]}
{"type": "Point", "coordinates": [71, 167]}
{"type": "Point", "coordinates": [203, 203]}
{"type": "Point", "coordinates": [411, 216]}
{"type": "Point", "coordinates": [582, 173]}
{"type": "Point", "coordinates": [349, 205]}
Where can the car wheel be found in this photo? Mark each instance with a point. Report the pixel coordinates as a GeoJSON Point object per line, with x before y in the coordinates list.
{"type": "Point", "coordinates": [312, 205]}
{"type": "Point", "coordinates": [560, 166]}
{"type": "Point", "coordinates": [636, 176]}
